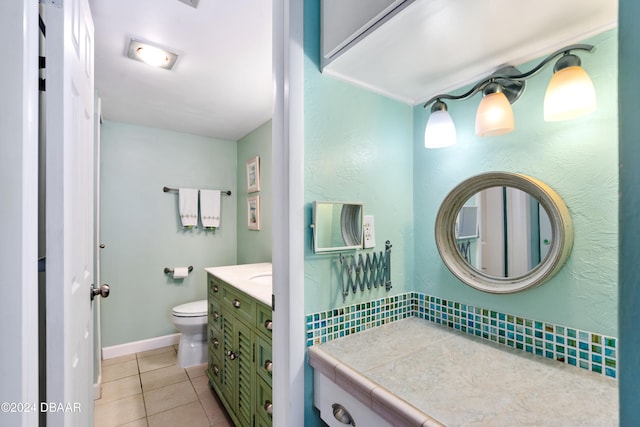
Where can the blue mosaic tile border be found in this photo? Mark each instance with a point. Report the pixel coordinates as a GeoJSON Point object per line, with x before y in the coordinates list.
{"type": "Point", "coordinates": [332, 324]}
{"type": "Point", "coordinates": [586, 350]}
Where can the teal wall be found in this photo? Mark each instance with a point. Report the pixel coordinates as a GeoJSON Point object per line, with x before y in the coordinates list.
{"type": "Point", "coordinates": [578, 159]}
{"type": "Point", "coordinates": [358, 148]}
{"type": "Point", "coordinates": [141, 229]}
{"type": "Point", "coordinates": [629, 88]}
{"type": "Point", "coordinates": [255, 246]}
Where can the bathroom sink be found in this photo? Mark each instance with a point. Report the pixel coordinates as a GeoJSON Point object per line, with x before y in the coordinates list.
{"type": "Point", "coordinates": [261, 279]}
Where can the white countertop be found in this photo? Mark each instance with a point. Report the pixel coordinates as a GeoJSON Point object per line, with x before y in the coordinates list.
{"type": "Point", "coordinates": [434, 372]}
{"type": "Point", "coordinates": [239, 276]}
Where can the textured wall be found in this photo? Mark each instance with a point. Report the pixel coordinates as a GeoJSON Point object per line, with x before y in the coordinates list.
{"type": "Point", "coordinates": [578, 159]}
{"type": "Point", "coordinates": [357, 149]}
{"type": "Point", "coordinates": [141, 228]}
{"type": "Point", "coordinates": [255, 246]}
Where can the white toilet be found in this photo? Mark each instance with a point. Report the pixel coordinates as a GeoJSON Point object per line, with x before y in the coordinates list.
{"type": "Point", "coordinates": [190, 320]}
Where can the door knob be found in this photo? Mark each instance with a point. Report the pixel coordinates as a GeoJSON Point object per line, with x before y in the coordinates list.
{"type": "Point", "coordinates": [101, 246]}
{"type": "Point", "coordinates": [102, 291]}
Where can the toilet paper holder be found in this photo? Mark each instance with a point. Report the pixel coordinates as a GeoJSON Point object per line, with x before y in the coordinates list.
{"type": "Point", "coordinates": [168, 270]}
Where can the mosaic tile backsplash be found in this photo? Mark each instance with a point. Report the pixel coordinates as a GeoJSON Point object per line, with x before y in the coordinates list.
{"type": "Point", "coordinates": [594, 352]}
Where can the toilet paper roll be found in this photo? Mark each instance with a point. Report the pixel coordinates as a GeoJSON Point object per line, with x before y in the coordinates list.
{"type": "Point", "coordinates": [180, 272]}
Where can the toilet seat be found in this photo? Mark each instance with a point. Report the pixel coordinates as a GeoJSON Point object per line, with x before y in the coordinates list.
{"type": "Point", "coordinates": [191, 309]}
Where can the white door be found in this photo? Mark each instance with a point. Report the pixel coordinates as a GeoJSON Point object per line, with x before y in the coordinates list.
{"type": "Point", "coordinates": [518, 232]}
{"type": "Point", "coordinates": [69, 212]}
{"type": "Point", "coordinates": [492, 231]}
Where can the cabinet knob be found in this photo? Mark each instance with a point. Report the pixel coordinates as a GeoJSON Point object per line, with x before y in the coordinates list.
{"type": "Point", "coordinates": [268, 366]}
{"type": "Point", "coordinates": [236, 303]}
{"type": "Point", "coordinates": [215, 342]}
{"type": "Point", "coordinates": [215, 315]}
{"type": "Point", "coordinates": [268, 324]}
{"type": "Point", "coordinates": [216, 370]}
{"type": "Point", "coordinates": [268, 407]}
{"type": "Point", "coordinates": [215, 288]}
{"type": "Point", "coordinates": [231, 355]}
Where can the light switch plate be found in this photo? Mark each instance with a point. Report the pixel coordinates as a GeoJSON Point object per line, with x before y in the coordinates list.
{"type": "Point", "coordinates": [369, 232]}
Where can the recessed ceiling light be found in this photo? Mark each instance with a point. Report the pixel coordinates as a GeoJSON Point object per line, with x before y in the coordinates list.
{"type": "Point", "coordinates": [151, 54]}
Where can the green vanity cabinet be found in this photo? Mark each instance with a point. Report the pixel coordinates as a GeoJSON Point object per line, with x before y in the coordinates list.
{"type": "Point", "coordinates": [239, 371]}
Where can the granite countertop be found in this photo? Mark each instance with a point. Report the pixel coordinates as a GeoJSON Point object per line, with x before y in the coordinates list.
{"type": "Point", "coordinates": [461, 380]}
{"type": "Point", "coordinates": [239, 276]}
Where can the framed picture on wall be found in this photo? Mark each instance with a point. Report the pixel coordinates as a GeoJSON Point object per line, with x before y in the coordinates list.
{"type": "Point", "coordinates": [253, 175]}
{"type": "Point", "coordinates": [253, 212]}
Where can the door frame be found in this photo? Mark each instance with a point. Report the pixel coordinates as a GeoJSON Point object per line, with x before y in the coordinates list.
{"type": "Point", "coordinates": [19, 225]}
{"type": "Point", "coordinates": [288, 213]}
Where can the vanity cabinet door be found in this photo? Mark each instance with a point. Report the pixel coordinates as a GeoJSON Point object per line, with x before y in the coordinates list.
{"type": "Point", "coordinates": [238, 368]}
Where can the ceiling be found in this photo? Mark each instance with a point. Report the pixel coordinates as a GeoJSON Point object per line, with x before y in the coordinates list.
{"type": "Point", "coordinates": [221, 85]}
{"type": "Point", "coordinates": [436, 46]}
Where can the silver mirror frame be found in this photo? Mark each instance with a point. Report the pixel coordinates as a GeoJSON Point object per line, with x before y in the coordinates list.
{"type": "Point", "coordinates": [561, 226]}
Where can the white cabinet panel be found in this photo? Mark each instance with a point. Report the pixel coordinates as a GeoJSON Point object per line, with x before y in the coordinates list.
{"type": "Point", "coordinates": [343, 21]}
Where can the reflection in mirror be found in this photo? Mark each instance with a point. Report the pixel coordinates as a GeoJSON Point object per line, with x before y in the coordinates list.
{"type": "Point", "coordinates": [337, 226]}
{"type": "Point", "coordinates": [503, 232]}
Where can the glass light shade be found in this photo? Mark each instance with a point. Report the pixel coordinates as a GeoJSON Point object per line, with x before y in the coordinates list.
{"type": "Point", "coordinates": [570, 94]}
{"type": "Point", "coordinates": [494, 115]}
{"type": "Point", "coordinates": [440, 131]}
{"type": "Point", "coordinates": [152, 55]}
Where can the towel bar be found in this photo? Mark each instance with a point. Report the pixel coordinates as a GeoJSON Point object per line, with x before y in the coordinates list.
{"type": "Point", "coordinates": [168, 270]}
{"type": "Point", "coordinates": [167, 189]}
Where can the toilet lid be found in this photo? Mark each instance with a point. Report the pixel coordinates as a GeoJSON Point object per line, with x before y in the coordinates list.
{"type": "Point", "coordinates": [191, 309]}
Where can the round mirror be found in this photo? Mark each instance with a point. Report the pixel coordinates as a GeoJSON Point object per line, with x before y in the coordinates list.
{"type": "Point", "coordinates": [501, 232]}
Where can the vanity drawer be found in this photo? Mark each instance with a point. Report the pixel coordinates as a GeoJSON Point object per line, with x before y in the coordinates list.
{"type": "Point", "coordinates": [264, 319]}
{"type": "Point", "coordinates": [264, 361]}
{"type": "Point", "coordinates": [214, 371]}
{"type": "Point", "coordinates": [215, 285]}
{"type": "Point", "coordinates": [216, 343]}
{"type": "Point", "coordinates": [215, 315]}
{"type": "Point", "coordinates": [264, 403]}
{"type": "Point", "coordinates": [239, 303]}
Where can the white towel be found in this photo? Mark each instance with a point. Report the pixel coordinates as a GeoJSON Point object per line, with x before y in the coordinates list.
{"type": "Point", "coordinates": [188, 205]}
{"type": "Point", "coordinates": [210, 208]}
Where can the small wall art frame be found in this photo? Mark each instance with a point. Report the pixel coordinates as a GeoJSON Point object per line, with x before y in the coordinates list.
{"type": "Point", "coordinates": [253, 175]}
{"type": "Point", "coordinates": [253, 212]}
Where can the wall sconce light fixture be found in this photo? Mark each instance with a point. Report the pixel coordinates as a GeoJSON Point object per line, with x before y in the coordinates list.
{"type": "Point", "coordinates": [570, 94]}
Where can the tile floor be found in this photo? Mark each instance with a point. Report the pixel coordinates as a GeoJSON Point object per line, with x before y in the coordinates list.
{"type": "Point", "coordinates": [148, 390]}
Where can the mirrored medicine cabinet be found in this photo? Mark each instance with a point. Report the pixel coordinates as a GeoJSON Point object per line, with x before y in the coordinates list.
{"type": "Point", "coordinates": [337, 226]}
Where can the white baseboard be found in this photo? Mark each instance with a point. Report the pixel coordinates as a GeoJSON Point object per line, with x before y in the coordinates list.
{"type": "Point", "coordinates": [138, 346]}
